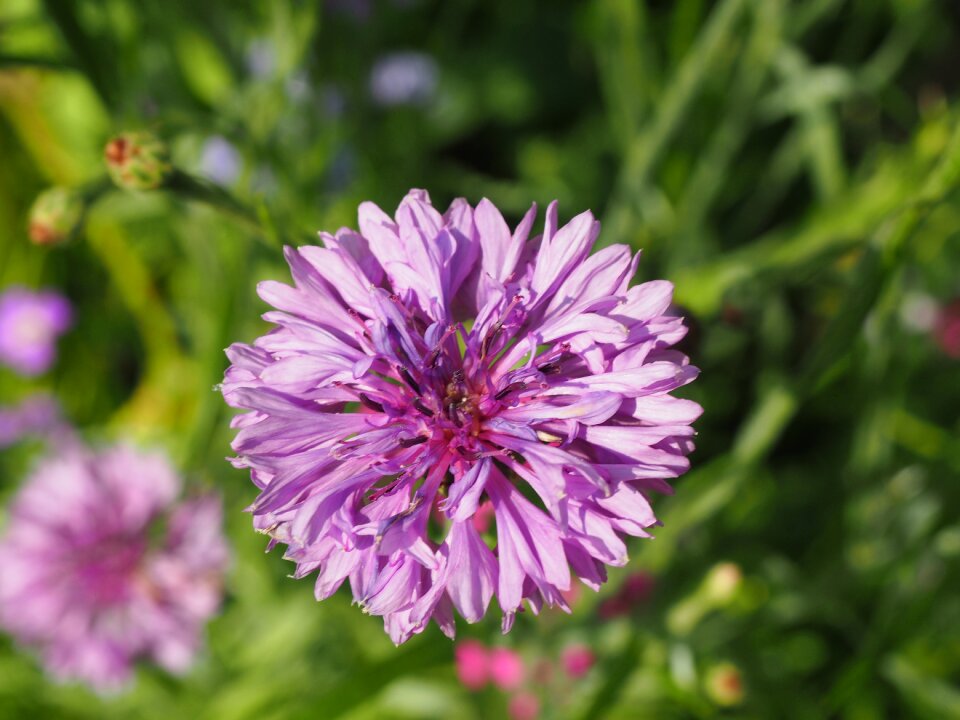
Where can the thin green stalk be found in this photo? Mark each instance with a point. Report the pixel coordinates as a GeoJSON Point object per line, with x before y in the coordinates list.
{"type": "Point", "coordinates": [649, 145]}
{"type": "Point", "coordinates": [707, 179]}
{"type": "Point", "coordinates": [259, 220]}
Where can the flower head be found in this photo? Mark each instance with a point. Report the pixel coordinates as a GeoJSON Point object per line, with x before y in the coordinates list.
{"type": "Point", "coordinates": [472, 664]}
{"type": "Point", "coordinates": [443, 360]}
{"type": "Point", "coordinates": [102, 568]}
{"type": "Point", "coordinates": [220, 160]}
{"type": "Point", "coordinates": [577, 660]}
{"type": "Point", "coordinates": [403, 78]}
{"type": "Point", "coordinates": [36, 415]}
{"type": "Point", "coordinates": [506, 668]}
{"type": "Point", "coordinates": [947, 329]}
{"type": "Point", "coordinates": [55, 216]}
{"type": "Point", "coordinates": [523, 706]}
{"type": "Point", "coordinates": [30, 323]}
{"type": "Point", "coordinates": [138, 161]}
{"type": "Point", "coordinates": [724, 684]}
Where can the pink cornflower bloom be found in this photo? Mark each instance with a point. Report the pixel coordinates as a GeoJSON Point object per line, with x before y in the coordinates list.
{"type": "Point", "coordinates": [523, 706]}
{"type": "Point", "coordinates": [101, 567]}
{"type": "Point", "coordinates": [443, 359]}
{"type": "Point", "coordinates": [472, 661]}
{"type": "Point", "coordinates": [30, 323]}
{"type": "Point", "coordinates": [36, 415]}
{"type": "Point", "coordinates": [506, 668]}
{"type": "Point", "coordinates": [577, 660]}
{"type": "Point", "coordinates": [947, 329]}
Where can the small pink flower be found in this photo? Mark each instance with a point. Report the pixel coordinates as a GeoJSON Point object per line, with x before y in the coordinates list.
{"type": "Point", "coordinates": [506, 668]}
{"type": "Point", "coordinates": [473, 664]}
{"type": "Point", "coordinates": [577, 660]}
{"type": "Point", "coordinates": [947, 329]}
{"type": "Point", "coordinates": [635, 590]}
{"type": "Point", "coordinates": [524, 706]}
{"type": "Point", "coordinates": [638, 587]}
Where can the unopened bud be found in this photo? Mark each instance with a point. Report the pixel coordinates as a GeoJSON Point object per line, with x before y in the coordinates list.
{"type": "Point", "coordinates": [138, 161]}
{"type": "Point", "coordinates": [54, 216]}
{"type": "Point", "coordinates": [724, 684]}
{"type": "Point", "coordinates": [722, 583]}
{"type": "Point", "coordinates": [718, 589]}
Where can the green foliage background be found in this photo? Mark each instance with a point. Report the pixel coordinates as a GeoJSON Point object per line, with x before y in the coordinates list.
{"type": "Point", "coordinates": [790, 164]}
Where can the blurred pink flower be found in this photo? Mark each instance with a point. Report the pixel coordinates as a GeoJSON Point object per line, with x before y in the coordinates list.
{"type": "Point", "coordinates": [947, 329]}
{"type": "Point", "coordinates": [30, 323]}
{"type": "Point", "coordinates": [36, 415]}
{"type": "Point", "coordinates": [472, 663]}
{"type": "Point", "coordinates": [577, 660]}
{"type": "Point", "coordinates": [635, 590]}
{"type": "Point", "coordinates": [524, 706]}
{"type": "Point", "coordinates": [102, 567]}
{"type": "Point", "coordinates": [506, 668]}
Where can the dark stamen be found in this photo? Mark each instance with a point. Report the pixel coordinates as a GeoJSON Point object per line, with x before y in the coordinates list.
{"type": "Point", "coordinates": [422, 408]}
{"type": "Point", "coordinates": [509, 389]}
{"type": "Point", "coordinates": [372, 404]}
{"type": "Point", "coordinates": [408, 378]}
{"type": "Point", "coordinates": [550, 368]}
{"type": "Point", "coordinates": [452, 413]}
{"type": "Point", "coordinates": [416, 440]}
{"type": "Point", "coordinates": [492, 333]}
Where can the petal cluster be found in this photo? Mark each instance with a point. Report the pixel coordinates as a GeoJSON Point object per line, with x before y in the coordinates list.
{"type": "Point", "coordinates": [102, 567]}
{"type": "Point", "coordinates": [433, 369]}
{"type": "Point", "coordinates": [30, 323]}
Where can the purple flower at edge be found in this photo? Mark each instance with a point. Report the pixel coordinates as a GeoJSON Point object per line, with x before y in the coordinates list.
{"type": "Point", "coordinates": [445, 361]}
{"type": "Point", "coordinates": [102, 567]}
{"type": "Point", "coordinates": [404, 78]}
{"type": "Point", "coordinates": [30, 323]}
{"type": "Point", "coordinates": [37, 415]}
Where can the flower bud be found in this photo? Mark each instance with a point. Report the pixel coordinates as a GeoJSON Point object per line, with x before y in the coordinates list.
{"type": "Point", "coordinates": [724, 684]}
{"type": "Point", "coordinates": [138, 161]}
{"type": "Point", "coordinates": [54, 216]}
{"type": "Point", "coordinates": [722, 583]}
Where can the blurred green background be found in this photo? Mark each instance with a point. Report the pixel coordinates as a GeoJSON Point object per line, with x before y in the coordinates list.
{"type": "Point", "coordinates": [791, 165]}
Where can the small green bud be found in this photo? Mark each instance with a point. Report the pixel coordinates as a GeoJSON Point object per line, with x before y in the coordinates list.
{"type": "Point", "coordinates": [722, 583]}
{"type": "Point", "coordinates": [724, 684]}
{"type": "Point", "coordinates": [55, 216]}
{"type": "Point", "coordinates": [138, 161]}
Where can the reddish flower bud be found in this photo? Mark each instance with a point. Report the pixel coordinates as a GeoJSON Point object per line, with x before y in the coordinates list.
{"type": "Point", "coordinates": [55, 216]}
{"type": "Point", "coordinates": [724, 684]}
{"type": "Point", "coordinates": [138, 161]}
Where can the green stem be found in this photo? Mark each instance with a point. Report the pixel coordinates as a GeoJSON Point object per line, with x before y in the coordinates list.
{"type": "Point", "coordinates": [649, 145]}
{"type": "Point", "coordinates": [259, 220]}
